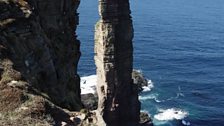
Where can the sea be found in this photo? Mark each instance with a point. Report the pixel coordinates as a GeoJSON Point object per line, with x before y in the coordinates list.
{"type": "Point", "coordinates": [179, 47]}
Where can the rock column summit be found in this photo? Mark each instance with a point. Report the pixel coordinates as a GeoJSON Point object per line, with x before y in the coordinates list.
{"type": "Point", "coordinates": [118, 103]}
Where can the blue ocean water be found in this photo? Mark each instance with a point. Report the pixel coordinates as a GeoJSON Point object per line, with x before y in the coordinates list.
{"type": "Point", "coordinates": [179, 46]}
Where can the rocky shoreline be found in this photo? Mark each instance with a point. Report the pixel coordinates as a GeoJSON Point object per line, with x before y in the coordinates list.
{"type": "Point", "coordinates": [90, 99]}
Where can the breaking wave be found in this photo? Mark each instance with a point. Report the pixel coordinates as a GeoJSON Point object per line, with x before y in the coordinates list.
{"type": "Point", "coordinates": [154, 96]}
{"type": "Point", "coordinates": [88, 84]}
{"type": "Point", "coordinates": [149, 87]}
{"type": "Point", "coordinates": [170, 114]}
{"type": "Point", "coordinates": [151, 97]}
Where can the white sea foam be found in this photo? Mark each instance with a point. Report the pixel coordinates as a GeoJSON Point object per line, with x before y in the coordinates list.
{"type": "Point", "coordinates": [150, 97]}
{"type": "Point", "coordinates": [149, 87]}
{"type": "Point", "coordinates": [157, 100]}
{"type": "Point", "coordinates": [170, 114]}
{"type": "Point", "coordinates": [88, 84]}
{"type": "Point", "coordinates": [186, 123]}
{"type": "Point", "coordinates": [155, 97]}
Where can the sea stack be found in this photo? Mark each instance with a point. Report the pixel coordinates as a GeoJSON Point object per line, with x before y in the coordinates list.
{"type": "Point", "coordinates": [118, 103]}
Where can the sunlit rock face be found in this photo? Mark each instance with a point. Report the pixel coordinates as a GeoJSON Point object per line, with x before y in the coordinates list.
{"type": "Point", "coordinates": [118, 103]}
{"type": "Point", "coordinates": [38, 40]}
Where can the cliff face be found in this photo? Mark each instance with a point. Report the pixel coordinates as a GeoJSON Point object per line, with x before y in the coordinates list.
{"type": "Point", "coordinates": [39, 53]}
{"type": "Point", "coordinates": [39, 49]}
{"type": "Point", "coordinates": [118, 103]}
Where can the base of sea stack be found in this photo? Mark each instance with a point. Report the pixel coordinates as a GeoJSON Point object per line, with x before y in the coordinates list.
{"type": "Point", "coordinates": [145, 120]}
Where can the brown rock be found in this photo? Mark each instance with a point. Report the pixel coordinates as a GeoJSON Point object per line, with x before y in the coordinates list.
{"type": "Point", "coordinates": [145, 119]}
{"type": "Point", "coordinates": [42, 46]}
{"type": "Point", "coordinates": [139, 79]}
{"type": "Point", "coordinates": [118, 103]}
{"type": "Point", "coordinates": [39, 54]}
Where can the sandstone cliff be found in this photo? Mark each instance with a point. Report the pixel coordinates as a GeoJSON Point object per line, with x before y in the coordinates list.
{"type": "Point", "coordinates": [38, 47]}
{"type": "Point", "coordinates": [118, 97]}
{"type": "Point", "coordinates": [39, 54]}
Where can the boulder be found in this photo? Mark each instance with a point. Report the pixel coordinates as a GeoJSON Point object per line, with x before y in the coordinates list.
{"type": "Point", "coordinates": [139, 79]}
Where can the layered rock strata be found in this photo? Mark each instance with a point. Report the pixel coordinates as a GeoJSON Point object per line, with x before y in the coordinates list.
{"type": "Point", "coordinates": [118, 103]}
{"type": "Point", "coordinates": [38, 46]}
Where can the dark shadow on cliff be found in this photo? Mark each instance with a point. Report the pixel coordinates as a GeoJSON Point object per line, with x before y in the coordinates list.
{"type": "Point", "coordinates": [43, 50]}
{"type": "Point", "coordinates": [38, 62]}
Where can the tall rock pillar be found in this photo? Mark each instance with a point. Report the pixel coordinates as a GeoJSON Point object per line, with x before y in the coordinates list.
{"type": "Point", "coordinates": [118, 98]}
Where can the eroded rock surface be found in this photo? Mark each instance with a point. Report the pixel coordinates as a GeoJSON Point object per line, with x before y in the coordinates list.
{"type": "Point", "coordinates": [38, 46]}
{"type": "Point", "coordinates": [39, 54]}
{"type": "Point", "coordinates": [118, 98]}
{"type": "Point", "coordinates": [139, 80]}
{"type": "Point", "coordinates": [88, 88]}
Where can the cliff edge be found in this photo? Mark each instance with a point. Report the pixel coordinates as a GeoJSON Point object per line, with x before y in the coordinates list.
{"type": "Point", "coordinates": [39, 53]}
